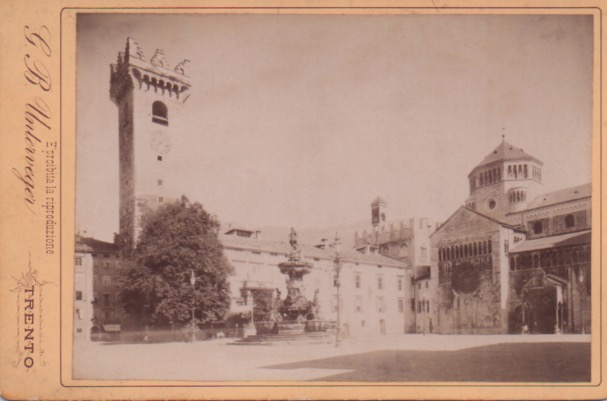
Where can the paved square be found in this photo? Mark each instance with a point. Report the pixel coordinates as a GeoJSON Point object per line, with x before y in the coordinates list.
{"type": "Point", "coordinates": [410, 358]}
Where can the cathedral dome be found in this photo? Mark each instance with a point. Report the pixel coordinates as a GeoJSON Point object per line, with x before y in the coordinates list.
{"type": "Point", "coordinates": [506, 152]}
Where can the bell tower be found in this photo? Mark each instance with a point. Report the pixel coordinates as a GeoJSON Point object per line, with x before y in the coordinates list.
{"type": "Point", "coordinates": [378, 213]}
{"type": "Point", "coordinates": [149, 96]}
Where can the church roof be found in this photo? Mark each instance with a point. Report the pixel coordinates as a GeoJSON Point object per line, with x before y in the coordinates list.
{"type": "Point", "coordinates": [553, 241]}
{"type": "Point", "coordinates": [506, 151]}
{"type": "Point", "coordinates": [561, 196]}
{"type": "Point", "coordinates": [462, 209]}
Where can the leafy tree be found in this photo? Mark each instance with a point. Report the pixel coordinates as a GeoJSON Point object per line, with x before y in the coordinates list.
{"type": "Point", "coordinates": [177, 239]}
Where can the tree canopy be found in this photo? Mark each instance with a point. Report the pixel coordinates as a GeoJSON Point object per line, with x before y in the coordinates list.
{"type": "Point", "coordinates": [177, 239]}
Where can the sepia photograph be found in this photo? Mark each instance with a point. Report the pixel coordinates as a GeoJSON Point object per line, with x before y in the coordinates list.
{"type": "Point", "coordinates": [357, 197]}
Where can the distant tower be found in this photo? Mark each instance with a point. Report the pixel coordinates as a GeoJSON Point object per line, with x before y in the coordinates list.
{"type": "Point", "coordinates": [149, 96]}
{"type": "Point", "coordinates": [504, 182]}
{"type": "Point", "coordinates": [378, 219]}
{"type": "Point", "coordinates": [378, 212]}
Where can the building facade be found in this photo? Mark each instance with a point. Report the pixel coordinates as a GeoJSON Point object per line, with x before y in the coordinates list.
{"type": "Point", "coordinates": [97, 305]}
{"type": "Point", "coordinates": [409, 243]}
{"type": "Point", "coordinates": [470, 268]}
{"type": "Point", "coordinates": [513, 259]}
{"type": "Point", "coordinates": [374, 290]}
{"type": "Point", "coordinates": [550, 271]}
{"type": "Point", "coordinates": [83, 291]}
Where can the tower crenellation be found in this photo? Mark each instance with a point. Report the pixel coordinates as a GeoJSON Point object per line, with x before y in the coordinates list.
{"type": "Point", "coordinates": [149, 96]}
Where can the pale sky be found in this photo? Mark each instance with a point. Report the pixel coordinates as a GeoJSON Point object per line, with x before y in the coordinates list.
{"type": "Point", "coordinates": [302, 120]}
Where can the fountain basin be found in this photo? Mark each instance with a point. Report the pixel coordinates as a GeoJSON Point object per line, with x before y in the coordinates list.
{"type": "Point", "coordinates": [265, 327]}
{"type": "Point", "coordinates": [319, 325]}
{"type": "Point", "coordinates": [291, 327]}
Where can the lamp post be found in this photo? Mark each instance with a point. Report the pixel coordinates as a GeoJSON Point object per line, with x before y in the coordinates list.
{"type": "Point", "coordinates": [582, 296]}
{"type": "Point", "coordinates": [337, 267]}
{"type": "Point", "coordinates": [193, 282]}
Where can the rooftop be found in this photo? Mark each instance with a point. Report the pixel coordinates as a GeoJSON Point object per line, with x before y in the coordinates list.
{"type": "Point", "coordinates": [506, 151]}
{"type": "Point", "coordinates": [379, 201]}
{"type": "Point", "coordinates": [94, 245]}
{"type": "Point", "coordinates": [569, 239]}
{"type": "Point", "coordinates": [279, 247]}
{"type": "Point", "coordinates": [562, 195]}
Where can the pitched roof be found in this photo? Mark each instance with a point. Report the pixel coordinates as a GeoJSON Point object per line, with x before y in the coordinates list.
{"type": "Point", "coordinates": [239, 228]}
{"type": "Point", "coordinates": [553, 241]}
{"type": "Point", "coordinates": [379, 200]}
{"type": "Point", "coordinates": [562, 195]}
{"type": "Point", "coordinates": [480, 214]}
{"type": "Point", "coordinates": [506, 151]}
{"type": "Point", "coordinates": [95, 245]}
{"type": "Point", "coordinates": [252, 244]}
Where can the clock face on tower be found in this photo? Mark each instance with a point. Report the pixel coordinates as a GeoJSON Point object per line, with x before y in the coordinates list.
{"type": "Point", "coordinates": [161, 142]}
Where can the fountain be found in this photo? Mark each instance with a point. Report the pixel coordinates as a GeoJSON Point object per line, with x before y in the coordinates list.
{"type": "Point", "coordinates": [295, 315]}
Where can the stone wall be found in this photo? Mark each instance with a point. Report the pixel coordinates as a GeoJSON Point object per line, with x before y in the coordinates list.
{"type": "Point", "coordinates": [466, 262]}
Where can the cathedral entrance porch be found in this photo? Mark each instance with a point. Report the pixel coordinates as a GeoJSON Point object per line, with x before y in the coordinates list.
{"type": "Point", "coordinates": [543, 309]}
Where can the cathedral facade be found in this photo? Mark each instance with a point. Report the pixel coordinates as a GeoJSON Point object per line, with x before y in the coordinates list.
{"type": "Point", "coordinates": [513, 259]}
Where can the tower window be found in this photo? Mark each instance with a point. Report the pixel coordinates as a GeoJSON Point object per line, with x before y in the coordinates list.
{"type": "Point", "coordinates": [491, 204]}
{"type": "Point", "coordinates": [569, 221]}
{"type": "Point", "coordinates": [159, 158]}
{"type": "Point", "coordinates": [159, 182]}
{"type": "Point", "coordinates": [160, 113]}
{"type": "Point", "coordinates": [537, 227]}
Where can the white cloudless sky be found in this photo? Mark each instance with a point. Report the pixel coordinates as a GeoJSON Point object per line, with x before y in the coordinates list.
{"type": "Point", "coordinates": [302, 120]}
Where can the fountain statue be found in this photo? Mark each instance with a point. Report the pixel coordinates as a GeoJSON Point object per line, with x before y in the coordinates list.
{"type": "Point", "coordinates": [295, 314]}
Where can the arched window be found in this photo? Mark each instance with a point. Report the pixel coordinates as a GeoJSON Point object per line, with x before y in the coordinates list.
{"type": "Point", "coordinates": [526, 171]}
{"type": "Point", "coordinates": [160, 113]}
{"type": "Point", "coordinates": [537, 227]}
{"type": "Point", "coordinates": [569, 221]}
